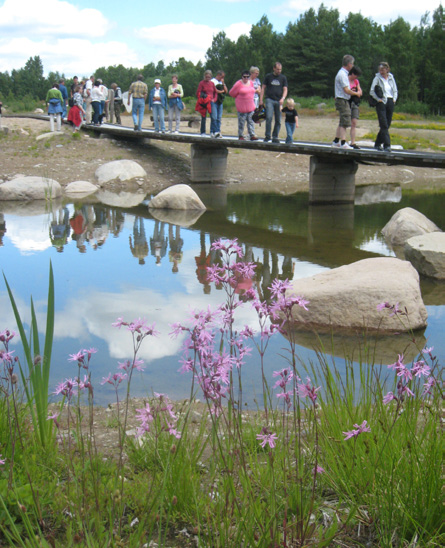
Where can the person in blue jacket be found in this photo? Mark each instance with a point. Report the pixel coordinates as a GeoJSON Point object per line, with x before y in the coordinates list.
{"type": "Point", "coordinates": [157, 102]}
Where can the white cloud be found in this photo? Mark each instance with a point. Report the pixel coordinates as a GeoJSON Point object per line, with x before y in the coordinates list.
{"type": "Point", "coordinates": [235, 30]}
{"type": "Point", "coordinates": [24, 236]}
{"type": "Point", "coordinates": [50, 18]}
{"type": "Point", "coordinates": [188, 40]}
{"type": "Point", "coordinates": [61, 34]}
{"type": "Point", "coordinates": [69, 56]}
{"type": "Point", "coordinates": [380, 11]}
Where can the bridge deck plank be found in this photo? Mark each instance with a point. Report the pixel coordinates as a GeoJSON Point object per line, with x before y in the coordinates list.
{"type": "Point", "coordinates": [413, 158]}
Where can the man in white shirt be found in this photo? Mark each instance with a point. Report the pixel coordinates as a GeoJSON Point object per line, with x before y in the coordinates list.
{"type": "Point", "coordinates": [342, 95]}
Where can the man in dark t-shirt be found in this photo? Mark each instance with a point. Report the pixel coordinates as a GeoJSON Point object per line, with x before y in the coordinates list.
{"type": "Point", "coordinates": [274, 90]}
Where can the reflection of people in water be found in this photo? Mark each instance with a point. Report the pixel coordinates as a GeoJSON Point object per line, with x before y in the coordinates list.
{"type": "Point", "coordinates": [2, 227]}
{"type": "Point", "coordinates": [176, 243]}
{"type": "Point", "coordinates": [59, 229]}
{"type": "Point", "coordinates": [287, 269]}
{"type": "Point", "coordinates": [158, 244]}
{"type": "Point", "coordinates": [81, 222]}
{"type": "Point", "coordinates": [117, 221]}
{"type": "Point", "coordinates": [140, 247]}
{"type": "Point", "coordinates": [265, 276]}
{"type": "Point", "coordinates": [268, 275]}
{"type": "Point", "coordinates": [202, 262]}
{"type": "Point", "coordinates": [99, 230]}
{"type": "Point", "coordinates": [244, 284]}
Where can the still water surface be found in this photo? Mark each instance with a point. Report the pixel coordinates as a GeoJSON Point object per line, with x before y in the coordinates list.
{"type": "Point", "coordinates": [112, 261]}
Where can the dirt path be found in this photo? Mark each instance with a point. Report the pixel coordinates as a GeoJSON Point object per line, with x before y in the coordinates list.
{"type": "Point", "coordinates": [68, 159]}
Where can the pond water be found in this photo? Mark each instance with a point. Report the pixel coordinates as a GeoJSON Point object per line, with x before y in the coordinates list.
{"type": "Point", "coordinates": [114, 260]}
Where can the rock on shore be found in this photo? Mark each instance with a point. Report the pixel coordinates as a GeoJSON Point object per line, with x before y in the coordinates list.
{"type": "Point", "coordinates": [30, 188]}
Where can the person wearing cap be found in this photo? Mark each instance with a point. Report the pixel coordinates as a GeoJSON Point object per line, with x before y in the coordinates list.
{"type": "Point", "coordinates": [157, 102]}
{"type": "Point", "coordinates": [139, 91]}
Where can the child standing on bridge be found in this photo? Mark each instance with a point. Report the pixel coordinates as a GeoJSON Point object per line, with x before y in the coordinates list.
{"type": "Point", "coordinates": [291, 120]}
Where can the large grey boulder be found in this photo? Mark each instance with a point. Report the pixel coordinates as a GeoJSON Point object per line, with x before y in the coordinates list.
{"type": "Point", "coordinates": [30, 188]}
{"type": "Point", "coordinates": [427, 254]}
{"type": "Point", "coordinates": [77, 189]}
{"type": "Point", "coordinates": [347, 297]}
{"type": "Point", "coordinates": [177, 197]}
{"type": "Point", "coordinates": [124, 170]}
{"type": "Point", "coordinates": [405, 224]}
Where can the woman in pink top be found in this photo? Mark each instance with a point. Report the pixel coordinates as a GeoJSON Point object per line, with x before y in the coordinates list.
{"type": "Point", "coordinates": [244, 93]}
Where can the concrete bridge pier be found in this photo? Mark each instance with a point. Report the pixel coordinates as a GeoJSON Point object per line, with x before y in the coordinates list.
{"type": "Point", "coordinates": [332, 181]}
{"type": "Point", "coordinates": [208, 163]}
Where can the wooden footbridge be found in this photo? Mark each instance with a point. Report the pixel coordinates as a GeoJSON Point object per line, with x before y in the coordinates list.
{"type": "Point", "coordinates": [332, 169]}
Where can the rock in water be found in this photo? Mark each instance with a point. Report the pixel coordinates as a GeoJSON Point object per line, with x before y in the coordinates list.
{"type": "Point", "coordinates": [177, 197]}
{"type": "Point", "coordinates": [405, 224]}
{"type": "Point", "coordinates": [347, 297]}
{"type": "Point", "coordinates": [427, 254]}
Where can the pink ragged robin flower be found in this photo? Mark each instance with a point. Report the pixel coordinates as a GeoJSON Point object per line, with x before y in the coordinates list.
{"type": "Point", "coordinates": [358, 429]}
{"type": "Point", "coordinates": [267, 439]}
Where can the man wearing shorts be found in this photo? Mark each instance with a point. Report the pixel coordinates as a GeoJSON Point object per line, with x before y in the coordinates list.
{"type": "Point", "coordinates": [342, 95]}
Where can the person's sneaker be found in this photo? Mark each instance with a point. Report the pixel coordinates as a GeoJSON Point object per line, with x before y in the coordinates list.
{"type": "Point", "coordinates": [212, 135]}
{"type": "Point", "coordinates": [275, 140]}
{"type": "Point", "coordinates": [162, 131]}
{"type": "Point", "coordinates": [242, 138]}
{"type": "Point", "coordinates": [254, 138]}
{"type": "Point", "coordinates": [135, 128]}
{"type": "Point", "coordinates": [345, 145]}
{"type": "Point", "coordinates": [218, 135]}
{"type": "Point", "coordinates": [176, 132]}
{"type": "Point", "coordinates": [336, 144]}
{"type": "Point", "coordinates": [387, 149]}
{"type": "Point", "coordinates": [266, 140]}
{"type": "Point", "coordinates": [203, 135]}
{"type": "Point", "coordinates": [378, 147]}
{"type": "Point", "coordinates": [355, 146]}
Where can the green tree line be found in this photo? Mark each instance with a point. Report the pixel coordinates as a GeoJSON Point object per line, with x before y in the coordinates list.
{"type": "Point", "coordinates": [310, 51]}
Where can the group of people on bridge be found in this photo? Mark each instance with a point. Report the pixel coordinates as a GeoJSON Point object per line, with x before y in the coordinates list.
{"type": "Point", "coordinates": [92, 102]}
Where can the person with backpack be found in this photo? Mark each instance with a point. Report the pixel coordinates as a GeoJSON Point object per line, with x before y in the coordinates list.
{"type": "Point", "coordinates": [117, 105]}
{"type": "Point", "coordinates": [217, 105]}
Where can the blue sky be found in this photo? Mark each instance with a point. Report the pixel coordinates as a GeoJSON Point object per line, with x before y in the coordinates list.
{"type": "Point", "coordinates": [76, 37]}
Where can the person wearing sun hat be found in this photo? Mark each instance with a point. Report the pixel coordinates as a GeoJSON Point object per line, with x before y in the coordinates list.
{"type": "Point", "coordinates": [157, 102]}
